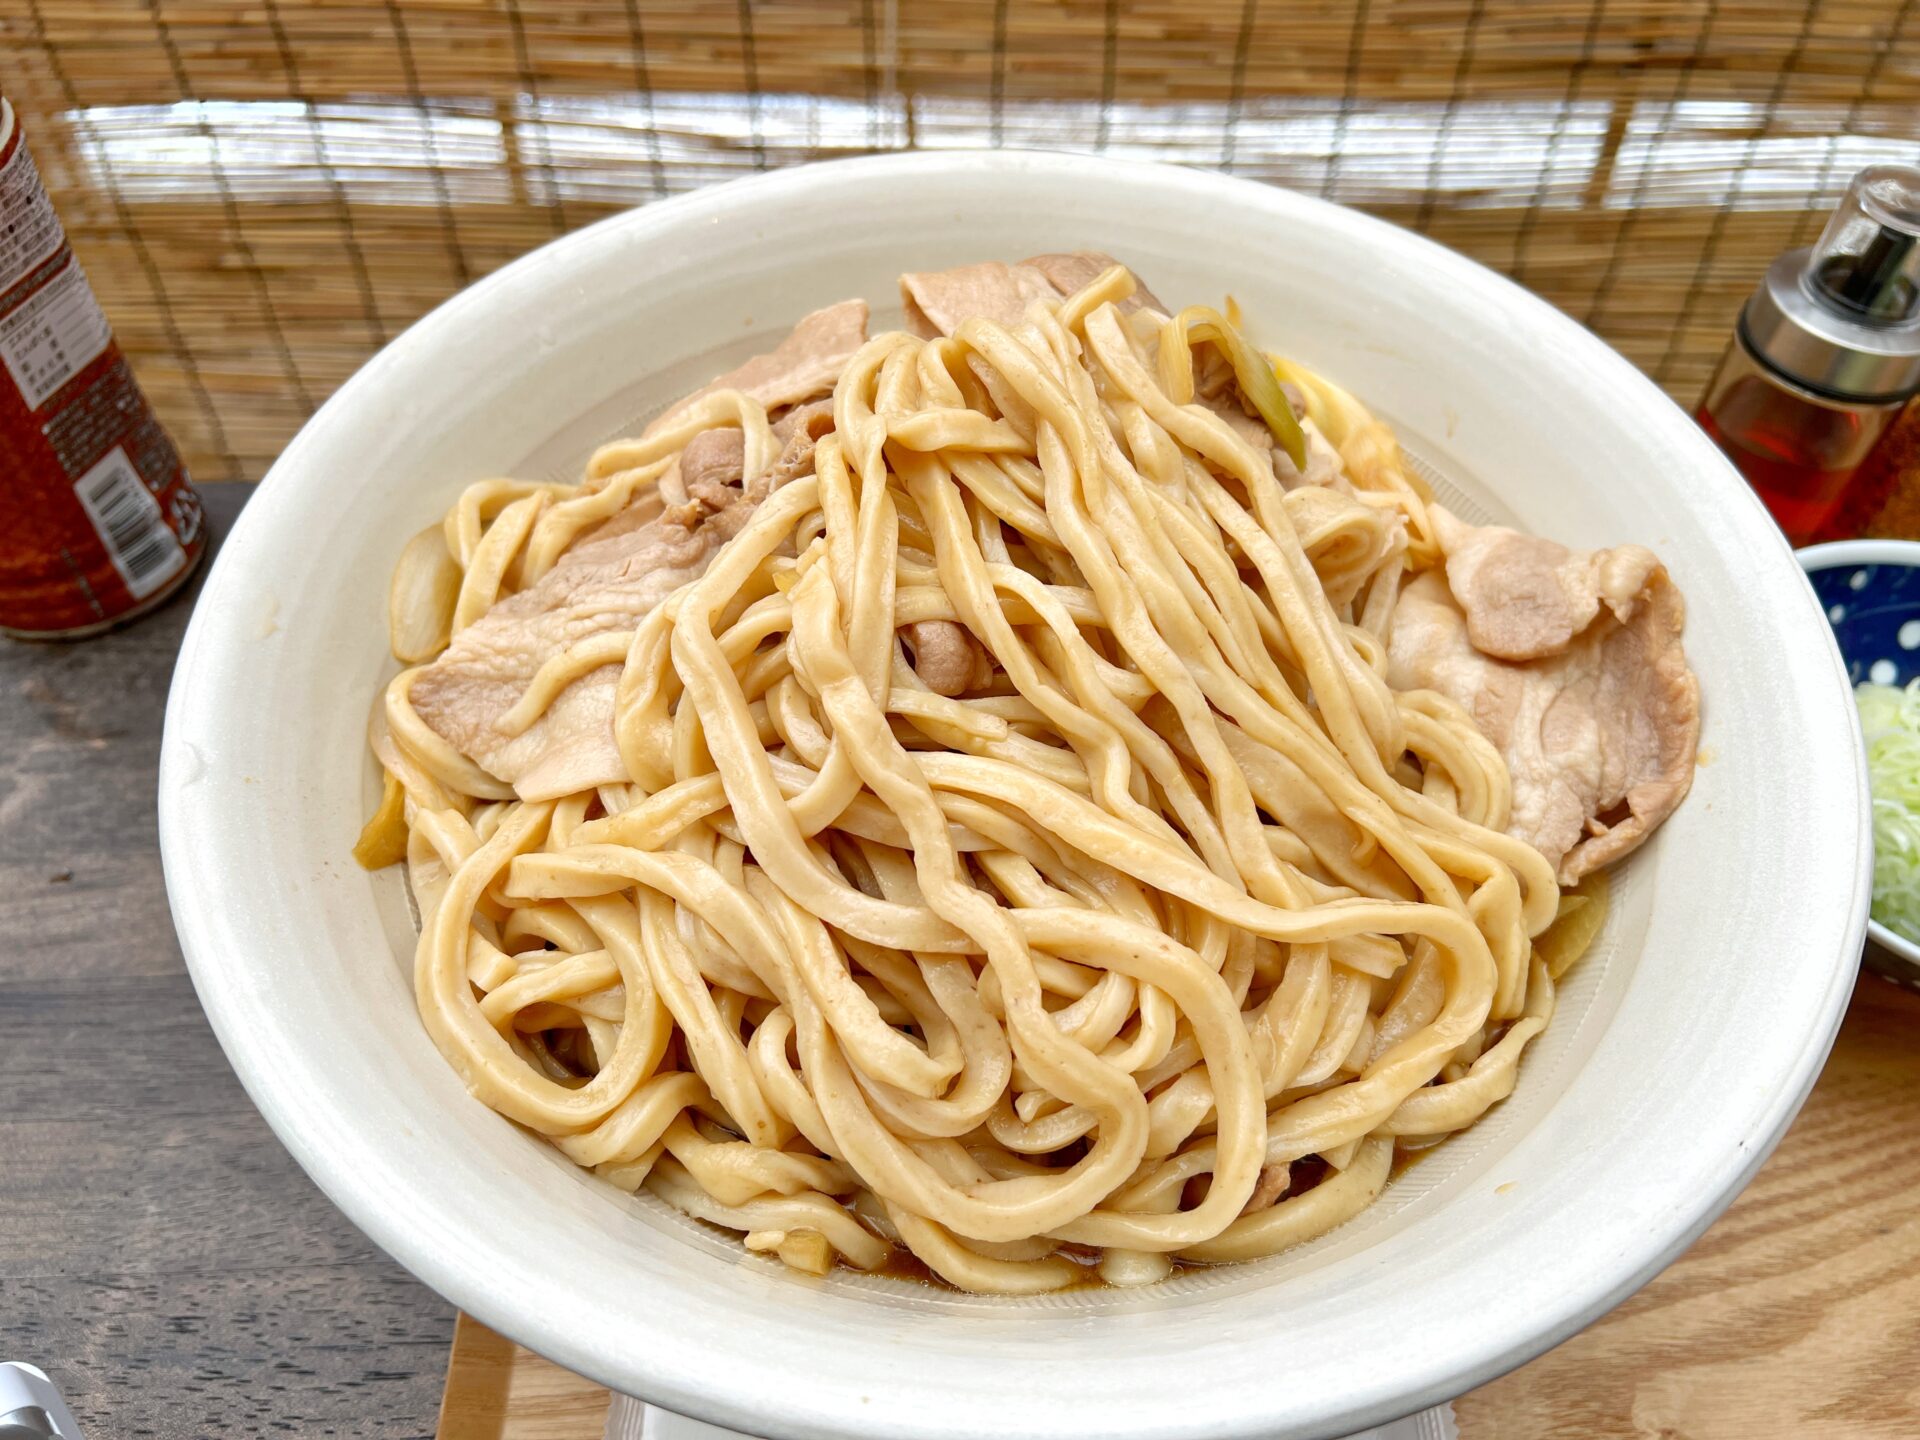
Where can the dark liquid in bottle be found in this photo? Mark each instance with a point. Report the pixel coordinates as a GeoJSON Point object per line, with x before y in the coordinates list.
{"type": "Point", "coordinates": [1774, 457]}
{"type": "Point", "coordinates": [1799, 451]}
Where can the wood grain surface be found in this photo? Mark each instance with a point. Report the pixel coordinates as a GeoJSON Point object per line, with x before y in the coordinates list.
{"type": "Point", "coordinates": [497, 1389]}
{"type": "Point", "coordinates": [161, 1256]}
{"type": "Point", "coordinates": [164, 1259]}
{"type": "Point", "coordinates": [1798, 1313]}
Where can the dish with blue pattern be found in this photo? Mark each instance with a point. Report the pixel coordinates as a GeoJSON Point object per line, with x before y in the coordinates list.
{"type": "Point", "coordinates": [1875, 614]}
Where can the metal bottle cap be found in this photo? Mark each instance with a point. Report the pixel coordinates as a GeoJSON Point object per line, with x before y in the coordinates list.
{"type": "Point", "coordinates": [1843, 318]}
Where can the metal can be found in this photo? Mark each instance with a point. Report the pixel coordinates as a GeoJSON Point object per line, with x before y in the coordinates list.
{"type": "Point", "coordinates": [98, 520]}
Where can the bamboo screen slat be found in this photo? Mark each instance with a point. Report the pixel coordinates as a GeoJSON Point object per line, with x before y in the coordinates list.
{"type": "Point", "coordinates": [264, 191]}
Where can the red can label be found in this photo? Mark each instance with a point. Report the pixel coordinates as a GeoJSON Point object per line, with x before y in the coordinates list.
{"type": "Point", "coordinates": [97, 516]}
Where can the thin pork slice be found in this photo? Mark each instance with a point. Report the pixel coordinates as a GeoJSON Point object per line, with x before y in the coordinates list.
{"type": "Point", "coordinates": [937, 301]}
{"type": "Point", "coordinates": [611, 577]}
{"type": "Point", "coordinates": [1601, 728]}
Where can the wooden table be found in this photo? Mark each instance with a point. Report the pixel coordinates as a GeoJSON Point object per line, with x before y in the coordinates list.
{"type": "Point", "coordinates": [170, 1266]}
{"type": "Point", "coordinates": [161, 1257]}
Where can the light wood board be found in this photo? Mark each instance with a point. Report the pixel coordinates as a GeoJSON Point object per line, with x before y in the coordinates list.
{"type": "Point", "coordinates": [496, 1389]}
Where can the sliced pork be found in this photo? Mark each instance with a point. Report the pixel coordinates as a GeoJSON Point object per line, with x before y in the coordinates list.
{"type": "Point", "coordinates": [805, 364]}
{"type": "Point", "coordinates": [599, 585]}
{"type": "Point", "coordinates": [938, 300]}
{"type": "Point", "coordinates": [1601, 725]}
{"type": "Point", "coordinates": [614, 574]}
{"type": "Point", "coordinates": [1075, 270]}
{"type": "Point", "coordinates": [1526, 596]}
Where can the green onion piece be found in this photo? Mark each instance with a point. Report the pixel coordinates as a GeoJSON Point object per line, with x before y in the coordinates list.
{"type": "Point", "coordinates": [1201, 323]}
{"type": "Point", "coordinates": [1890, 722]}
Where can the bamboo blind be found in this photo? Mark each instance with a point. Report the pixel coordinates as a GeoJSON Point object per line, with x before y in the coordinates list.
{"type": "Point", "coordinates": [264, 191]}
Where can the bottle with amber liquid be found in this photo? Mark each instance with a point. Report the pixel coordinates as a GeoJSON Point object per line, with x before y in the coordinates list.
{"type": "Point", "coordinates": [1825, 356]}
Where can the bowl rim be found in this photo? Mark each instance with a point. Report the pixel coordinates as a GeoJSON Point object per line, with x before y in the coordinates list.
{"type": "Point", "coordinates": [1450, 1365]}
{"type": "Point", "coordinates": [1832, 555]}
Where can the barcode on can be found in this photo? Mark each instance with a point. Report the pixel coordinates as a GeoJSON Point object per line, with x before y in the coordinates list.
{"type": "Point", "coordinates": [130, 525]}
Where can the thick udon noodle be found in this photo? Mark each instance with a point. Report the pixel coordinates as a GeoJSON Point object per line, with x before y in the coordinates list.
{"type": "Point", "coordinates": [1078, 969]}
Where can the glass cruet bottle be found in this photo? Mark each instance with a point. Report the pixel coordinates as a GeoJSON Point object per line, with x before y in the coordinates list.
{"type": "Point", "coordinates": [1825, 355]}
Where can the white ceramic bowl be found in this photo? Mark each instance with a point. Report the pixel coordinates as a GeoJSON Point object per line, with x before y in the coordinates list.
{"type": "Point", "coordinates": [1683, 1047]}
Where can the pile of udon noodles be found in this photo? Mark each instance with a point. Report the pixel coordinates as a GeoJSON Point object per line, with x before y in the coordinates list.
{"type": "Point", "coordinates": [955, 790]}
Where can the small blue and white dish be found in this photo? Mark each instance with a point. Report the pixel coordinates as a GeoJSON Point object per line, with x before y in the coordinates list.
{"type": "Point", "coordinates": [1870, 590]}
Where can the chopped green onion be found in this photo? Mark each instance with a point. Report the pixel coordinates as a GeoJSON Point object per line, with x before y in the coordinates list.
{"type": "Point", "coordinates": [1890, 720]}
{"type": "Point", "coordinates": [1198, 323]}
